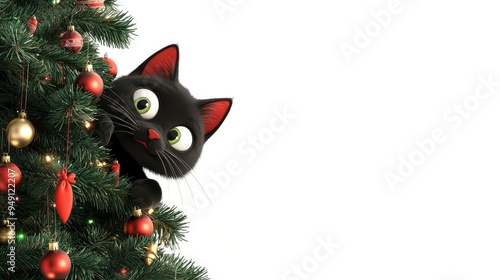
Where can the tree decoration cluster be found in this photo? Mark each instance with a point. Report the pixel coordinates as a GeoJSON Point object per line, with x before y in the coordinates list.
{"type": "Point", "coordinates": [52, 189]}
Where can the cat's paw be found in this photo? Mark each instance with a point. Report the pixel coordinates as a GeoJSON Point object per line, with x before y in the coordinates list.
{"type": "Point", "coordinates": [146, 193]}
{"type": "Point", "coordinates": [103, 128]}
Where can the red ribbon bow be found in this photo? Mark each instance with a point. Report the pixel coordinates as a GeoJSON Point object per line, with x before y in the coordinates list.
{"type": "Point", "coordinates": [64, 194]}
{"type": "Point", "coordinates": [65, 178]}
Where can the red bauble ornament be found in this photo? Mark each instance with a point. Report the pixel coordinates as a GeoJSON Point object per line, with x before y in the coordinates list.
{"type": "Point", "coordinates": [113, 69]}
{"type": "Point", "coordinates": [32, 24]}
{"type": "Point", "coordinates": [71, 40]}
{"type": "Point", "coordinates": [64, 195]}
{"type": "Point", "coordinates": [90, 81]}
{"type": "Point", "coordinates": [95, 4]}
{"type": "Point", "coordinates": [55, 264]}
{"type": "Point", "coordinates": [139, 224]}
{"type": "Point", "coordinates": [10, 175]}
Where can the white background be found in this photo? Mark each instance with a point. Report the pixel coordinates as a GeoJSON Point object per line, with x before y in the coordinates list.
{"type": "Point", "coordinates": [320, 176]}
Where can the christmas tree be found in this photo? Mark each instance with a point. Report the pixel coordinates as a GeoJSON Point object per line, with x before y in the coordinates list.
{"type": "Point", "coordinates": [63, 202]}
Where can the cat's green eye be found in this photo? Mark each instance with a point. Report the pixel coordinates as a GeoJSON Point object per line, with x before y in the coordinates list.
{"type": "Point", "coordinates": [142, 105]}
{"type": "Point", "coordinates": [146, 103]}
{"type": "Point", "coordinates": [180, 138]}
{"type": "Point", "coordinates": [174, 136]}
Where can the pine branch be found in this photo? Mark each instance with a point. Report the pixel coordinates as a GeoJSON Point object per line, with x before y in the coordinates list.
{"type": "Point", "coordinates": [110, 27]}
{"type": "Point", "coordinates": [69, 104]}
{"type": "Point", "coordinates": [15, 44]}
{"type": "Point", "coordinates": [169, 267]}
{"type": "Point", "coordinates": [172, 223]}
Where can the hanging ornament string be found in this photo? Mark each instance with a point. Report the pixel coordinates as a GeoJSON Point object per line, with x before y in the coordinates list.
{"type": "Point", "coordinates": [64, 191]}
{"type": "Point", "coordinates": [72, 15]}
{"type": "Point", "coordinates": [22, 89]}
{"type": "Point", "coordinates": [53, 236]}
{"type": "Point", "coordinates": [6, 7]}
{"type": "Point", "coordinates": [24, 92]}
{"type": "Point", "coordinates": [48, 211]}
{"type": "Point", "coordinates": [88, 48]}
{"type": "Point", "coordinates": [20, 131]}
{"type": "Point", "coordinates": [48, 219]}
{"type": "Point", "coordinates": [27, 88]}
{"type": "Point", "coordinates": [68, 134]}
{"type": "Point", "coordinates": [88, 80]}
{"type": "Point", "coordinates": [3, 140]}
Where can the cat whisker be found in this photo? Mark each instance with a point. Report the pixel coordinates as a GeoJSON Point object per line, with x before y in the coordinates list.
{"type": "Point", "coordinates": [191, 191]}
{"type": "Point", "coordinates": [116, 102]}
{"type": "Point", "coordinates": [123, 131]}
{"type": "Point", "coordinates": [190, 173]}
{"type": "Point", "coordinates": [167, 159]}
{"type": "Point", "coordinates": [200, 186]}
{"type": "Point", "coordinates": [162, 163]}
{"type": "Point", "coordinates": [132, 119]}
{"type": "Point", "coordinates": [183, 162]}
{"type": "Point", "coordinates": [121, 107]}
{"type": "Point", "coordinates": [129, 121]}
{"type": "Point", "coordinates": [121, 122]}
{"type": "Point", "coordinates": [183, 177]}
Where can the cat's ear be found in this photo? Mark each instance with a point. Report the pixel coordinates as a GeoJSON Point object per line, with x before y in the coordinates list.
{"type": "Point", "coordinates": [164, 63]}
{"type": "Point", "coordinates": [213, 113]}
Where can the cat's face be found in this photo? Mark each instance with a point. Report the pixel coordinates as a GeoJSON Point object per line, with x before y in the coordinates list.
{"type": "Point", "coordinates": [157, 121]}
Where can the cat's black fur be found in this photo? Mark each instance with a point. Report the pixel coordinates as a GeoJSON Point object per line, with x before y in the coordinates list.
{"type": "Point", "coordinates": [147, 140]}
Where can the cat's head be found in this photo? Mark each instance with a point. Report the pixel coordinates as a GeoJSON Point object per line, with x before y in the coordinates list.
{"type": "Point", "coordinates": [157, 121]}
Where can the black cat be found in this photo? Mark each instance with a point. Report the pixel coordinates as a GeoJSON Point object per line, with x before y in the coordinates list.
{"type": "Point", "coordinates": [150, 120]}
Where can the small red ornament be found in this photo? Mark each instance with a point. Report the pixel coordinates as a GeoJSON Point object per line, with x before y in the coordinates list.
{"type": "Point", "coordinates": [113, 69]}
{"type": "Point", "coordinates": [32, 24]}
{"type": "Point", "coordinates": [64, 194]}
{"type": "Point", "coordinates": [95, 4]}
{"type": "Point", "coordinates": [115, 168]}
{"type": "Point", "coordinates": [55, 264]}
{"type": "Point", "coordinates": [139, 224]}
{"type": "Point", "coordinates": [71, 40]}
{"type": "Point", "coordinates": [90, 81]}
{"type": "Point", "coordinates": [10, 175]}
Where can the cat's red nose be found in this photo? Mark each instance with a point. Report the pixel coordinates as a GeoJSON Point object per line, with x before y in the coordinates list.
{"type": "Point", "coordinates": [153, 135]}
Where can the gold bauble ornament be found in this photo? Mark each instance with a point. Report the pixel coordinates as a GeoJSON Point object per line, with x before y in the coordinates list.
{"type": "Point", "coordinates": [20, 131]}
{"type": "Point", "coordinates": [151, 253]}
